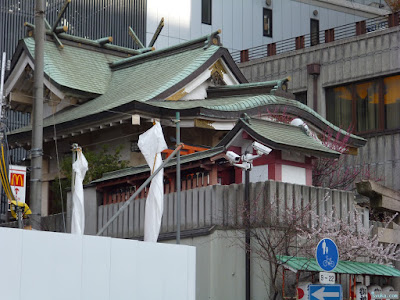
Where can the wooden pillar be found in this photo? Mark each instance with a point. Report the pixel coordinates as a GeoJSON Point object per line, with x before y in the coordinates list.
{"type": "Point", "coordinates": [393, 19]}
{"type": "Point", "coordinates": [329, 35]}
{"type": "Point", "coordinates": [271, 49]}
{"type": "Point", "coordinates": [214, 175]}
{"type": "Point", "coordinates": [300, 42]}
{"type": "Point", "coordinates": [361, 28]}
{"type": "Point", "coordinates": [244, 55]}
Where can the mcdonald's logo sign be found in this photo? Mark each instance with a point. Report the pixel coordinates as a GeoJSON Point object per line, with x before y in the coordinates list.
{"type": "Point", "coordinates": [17, 179]}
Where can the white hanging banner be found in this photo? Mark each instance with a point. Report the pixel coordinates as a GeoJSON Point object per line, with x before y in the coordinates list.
{"type": "Point", "coordinates": [80, 166]}
{"type": "Point", "coordinates": [151, 144]}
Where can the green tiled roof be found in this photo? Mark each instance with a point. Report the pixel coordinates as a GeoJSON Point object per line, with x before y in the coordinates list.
{"type": "Point", "coordinates": [284, 135]}
{"type": "Point", "coordinates": [141, 82]}
{"type": "Point", "coordinates": [343, 267]}
{"type": "Point", "coordinates": [245, 102]}
{"type": "Point", "coordinates": [248, 85]}
{"type": "Point", "coordinates": [75, 67]}
{"type": "Point", "coordinates": [144, 168]}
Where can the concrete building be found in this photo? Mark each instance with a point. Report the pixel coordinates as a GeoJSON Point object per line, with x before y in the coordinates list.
{"type": "Point", "coordinates": [246, 24]}
{"type": "Point", "coordinates": [352, 82]}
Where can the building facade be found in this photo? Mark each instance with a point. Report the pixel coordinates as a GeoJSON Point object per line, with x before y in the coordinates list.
{"type": "Point", "coordinates": [247, 24]}
{"type": "Point", "coordinates": [354, 83]}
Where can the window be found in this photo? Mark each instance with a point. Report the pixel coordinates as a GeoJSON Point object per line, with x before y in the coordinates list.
{"type": "Point", "coordinates": [267, 22]}
{"type": "Point", "coordinates": [301, 97]}
{"type": "Point", "coordinates": [314, 32]}
{"type": "Point", "coordinates": [391, 101]}
{"type": "Point", "coordinates": [339, 106]}
{"type": "Point", "coordinates": [368, 106]}
{"type": "Point", "coordinates": [206, 11]}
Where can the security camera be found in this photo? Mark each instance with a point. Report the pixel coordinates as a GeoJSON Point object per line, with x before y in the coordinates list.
{"type": "Point", "coordinates": [233, 157]}
{"type": "Point", "coordinates": [261, 149]}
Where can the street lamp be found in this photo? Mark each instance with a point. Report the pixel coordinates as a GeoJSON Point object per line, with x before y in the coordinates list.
{"type": "Point", "coordinates": [247, 165]}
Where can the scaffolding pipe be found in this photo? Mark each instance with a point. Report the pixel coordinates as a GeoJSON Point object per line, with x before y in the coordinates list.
{"type": "Point", "coordinates": [126, 204]}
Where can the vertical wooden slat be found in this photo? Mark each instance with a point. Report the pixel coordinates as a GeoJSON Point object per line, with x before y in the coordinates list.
{"type": "Point", "coordinates": [136, 218]}
{"type": "Point", "coordinates": [114, 225]}
{"type": "Point", "coordinates": [189, 209]}
{"type": "Point", "coordinates": [202, 207]}
{"type": "Point", "coordinates": [142, 204]}
{"type": "Point", "coordinates": [195, 208]}
{"type": "Point", "coordinates": [164, 219]}
{"type": "Point", "coordinates": [171, 212]}
{"type": "Point", "coordinates": [125, 222]}
{"type": "Point", "coordinates": [208, 205]}
{"type": "Point", "coordinates": [120, 227]}
{"type": "Point", "coordinates": [280, 198]}
{"type": "Point", "coordinates": [131, 221]}
{"type": "Point", "coordinates": [100, 217]}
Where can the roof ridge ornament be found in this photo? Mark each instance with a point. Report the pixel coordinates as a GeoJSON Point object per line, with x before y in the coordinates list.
{"type": "Point", "coordinates": [156, 33]}
{"type": "Point", "coordinates": [281, 84]}
{"type": "Point", "coordinates": [245, 117]}
{"type": "Point", "coordinates": [213, 39]}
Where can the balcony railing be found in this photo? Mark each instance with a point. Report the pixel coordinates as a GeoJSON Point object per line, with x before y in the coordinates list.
{"type": "Point", "coordinates": [323, 36]}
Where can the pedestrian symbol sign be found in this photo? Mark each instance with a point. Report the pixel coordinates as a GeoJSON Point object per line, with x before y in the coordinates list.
{"type": "Point", "coordinates": [327, 255]}
{"type": "Point", "coordinates": [325, 292]}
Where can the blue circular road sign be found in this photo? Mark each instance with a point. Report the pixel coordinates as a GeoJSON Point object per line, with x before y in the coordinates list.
{"type": "Point", "coordinates": [327, 255]}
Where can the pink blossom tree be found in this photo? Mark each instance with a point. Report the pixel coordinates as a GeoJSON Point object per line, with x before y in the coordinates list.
{"type": "Point", "coordinates": [278, 229]}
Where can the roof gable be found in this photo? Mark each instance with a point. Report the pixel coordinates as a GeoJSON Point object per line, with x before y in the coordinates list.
{"type": "Point", "coordinates": [75, 67]}
{"type": "Point", "coordinates": [279, 136]}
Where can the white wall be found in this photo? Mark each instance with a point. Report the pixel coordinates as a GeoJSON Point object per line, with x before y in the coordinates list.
{"type": "Point", "coordinates": [257, 174]}
{"type": "Point", "coordinates": [241, 20]}
{"type": "Point", "coordinates": [45, 265]}
{"type": "Point", "coordinates": [293, 174]}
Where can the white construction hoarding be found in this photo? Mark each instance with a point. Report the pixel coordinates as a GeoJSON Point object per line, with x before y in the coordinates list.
{"type": "Point", "coordinates": [48, 266]}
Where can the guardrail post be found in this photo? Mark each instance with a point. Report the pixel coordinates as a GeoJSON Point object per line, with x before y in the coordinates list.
{"type": "Point", "coordinates": [393, 19]}
{"type": "Point", "coordinates": [271, 49]}
{"type": "Point", "coordinates": [300, 42]}
{"type": "Point", "coordinates": [361, 27]}
{"type": "Point", "coordinates": [329, 35]}
{"type": "Point", "coordinates": [244, 55]}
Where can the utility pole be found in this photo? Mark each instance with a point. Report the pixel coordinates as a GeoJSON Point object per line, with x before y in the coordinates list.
{"type": "Point", "coordinates": [178, 179]}
{"type": "Point", "coordinates": [247, 209]}
{"type": "Point", "coordinates": [37, 117]}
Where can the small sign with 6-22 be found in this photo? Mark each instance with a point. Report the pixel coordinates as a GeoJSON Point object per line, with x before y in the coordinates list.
{"type": "Point", "coordinates": [326, 278]}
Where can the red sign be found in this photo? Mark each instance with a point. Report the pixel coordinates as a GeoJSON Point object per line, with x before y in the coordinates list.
{"type": "Point", "coordinates": [17, 179]}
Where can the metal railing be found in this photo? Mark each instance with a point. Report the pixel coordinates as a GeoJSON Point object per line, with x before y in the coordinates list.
{"type": "Point", "coordinates": [323, 36]}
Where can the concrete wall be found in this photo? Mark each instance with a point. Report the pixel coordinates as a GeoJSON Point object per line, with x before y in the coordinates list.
{"type": "Point", "coordinates": [345, 61]}
{"type": "Point", "coordinates": [220, 269]}
{"type": "Point", "coordinates": [382, 155]}
{"type": "Point", "coordinates": [45, 265]}
{"type": "Point", "coordinates": [241, 21]}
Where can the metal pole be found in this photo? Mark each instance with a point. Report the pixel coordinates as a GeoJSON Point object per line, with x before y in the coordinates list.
{"type": "Point", "coordinates": [37, 118]}
{"type": "Point", "coordinates": [178, 180]}
{"type": "Point", "coordinates": [74, 148]}
{"type": "Point", "coordinates": [123, 207]}
{"type": "Point", "coordinates": [247, 230]}
{"type": "Point", "coordinates": [19, 216]}
{"type": "Point", "coordinates": [3, 70]}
